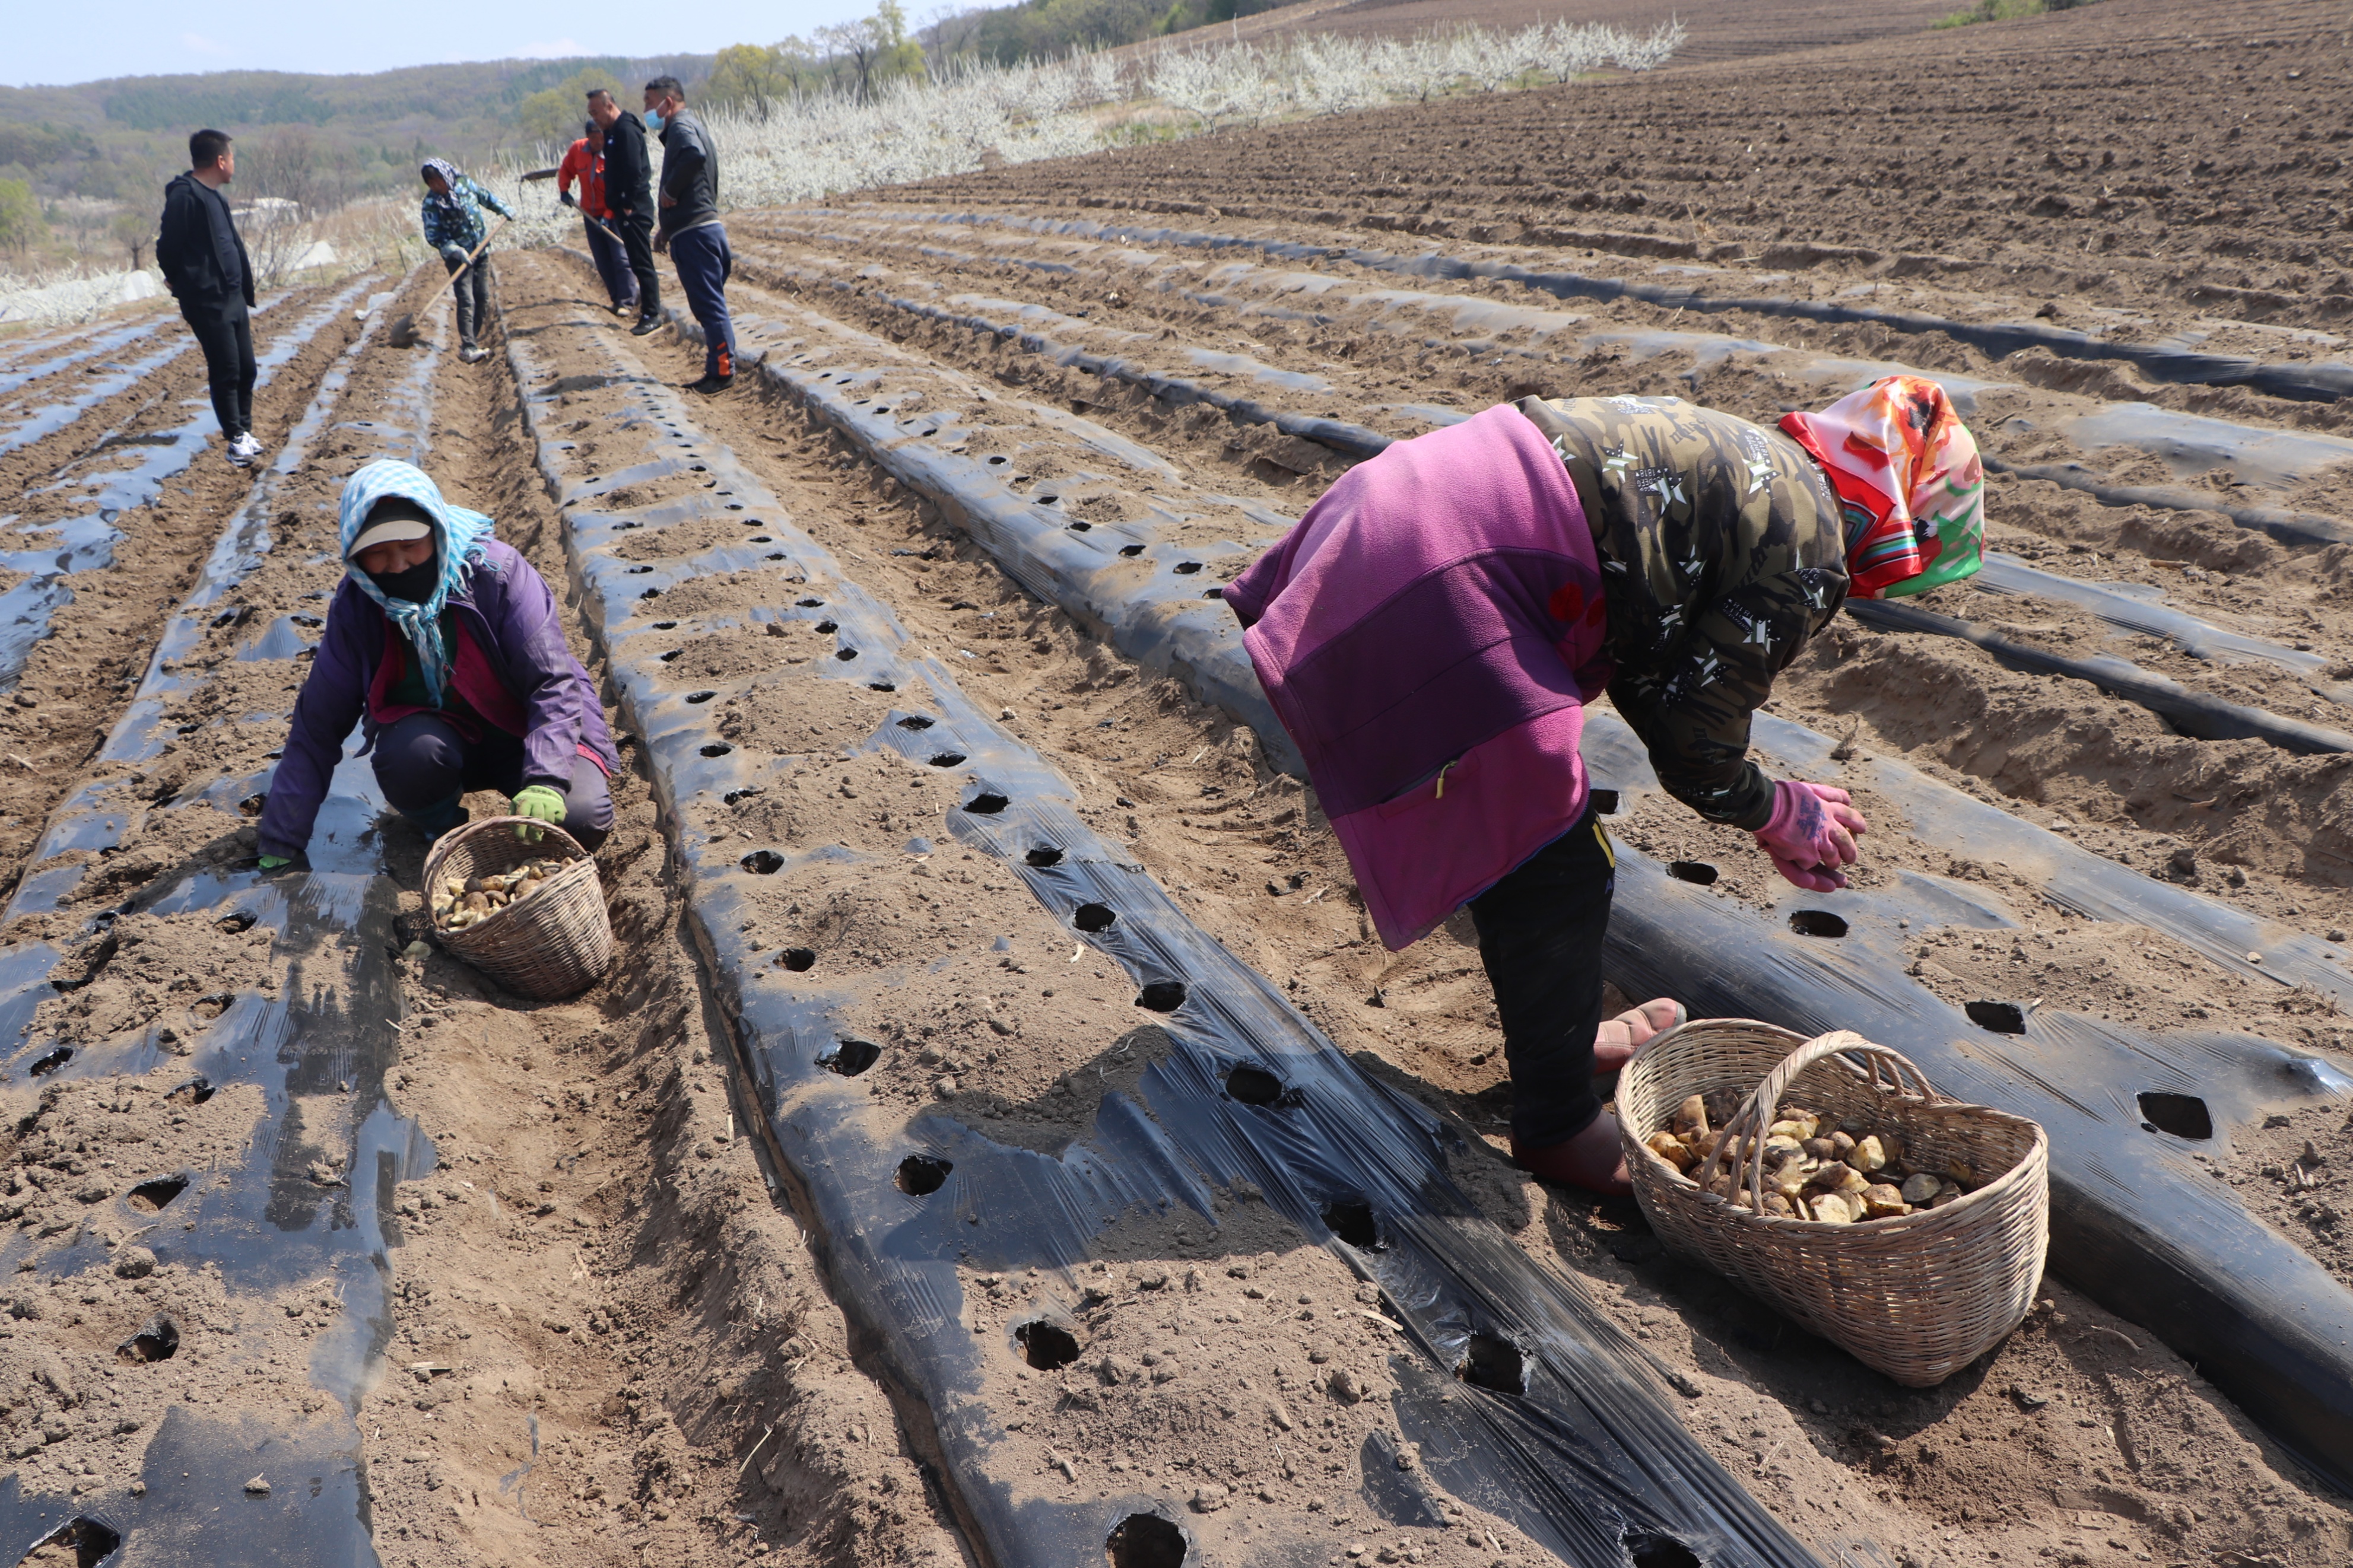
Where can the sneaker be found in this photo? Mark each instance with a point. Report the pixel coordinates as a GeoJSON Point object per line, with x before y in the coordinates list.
{"type": "Point", "coordinates": [646, 324]}
{"type": "Point", "coordinates": [473, 354]}
{"type": "Point", "coordinates": [710, 383]}
{"type": "Point", "coordinates": [242, 450]}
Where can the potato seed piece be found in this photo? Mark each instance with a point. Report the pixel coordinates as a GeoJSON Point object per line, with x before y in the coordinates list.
{"type": "Point", "coordinates": [1881, 1201]}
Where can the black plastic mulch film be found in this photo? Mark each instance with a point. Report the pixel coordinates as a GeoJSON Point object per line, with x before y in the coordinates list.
{"type": "Point", "coordinates": [2284, 523]}
{"type": "Point", "coordinates": [2325, 382]}
{"type": "Point", "coordinates": [2138, 1222]}
{"type": "Point", "coordinates": [1587, 1459]}
{"type": "Point", "coordinates": [2192, 712]}
{"type": "Point", "coordinates": [327, 1035]}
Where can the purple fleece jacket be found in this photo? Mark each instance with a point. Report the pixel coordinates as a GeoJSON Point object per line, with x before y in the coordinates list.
{"type": "Point", "coordinates": [1429, 633]}
{"type": "Point", "coordinates": [509, 613]}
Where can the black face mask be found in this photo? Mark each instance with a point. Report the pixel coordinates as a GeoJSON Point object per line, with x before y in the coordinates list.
{"type": "Point", "coordinates": [415, 585]}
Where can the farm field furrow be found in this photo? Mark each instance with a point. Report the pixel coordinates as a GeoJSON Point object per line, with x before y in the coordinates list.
{"type": "Point", "coordinates": [2196, 562]}
{"type": "Point", "coordinates": [2148, 168]}
{"type": "Point", "coordinates": [1003, 1137]}
{"type": "Point", "coordinates": [1215, 830]}
{"type": "Point", "coordinates": [112, 531]}
{"type": "Point", "coordinates": [584, 1306]}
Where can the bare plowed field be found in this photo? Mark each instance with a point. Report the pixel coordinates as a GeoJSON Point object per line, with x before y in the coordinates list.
{"type": "Point", "coordinates": [947, 1172]}
{"type": "Point", "coordinates": [2137, 169]}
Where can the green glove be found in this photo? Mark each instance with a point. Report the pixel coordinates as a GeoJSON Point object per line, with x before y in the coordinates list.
{"type": "Point", "coordinates": [540, 801]}
{"type": "Point", "coordinates": [276, 862]}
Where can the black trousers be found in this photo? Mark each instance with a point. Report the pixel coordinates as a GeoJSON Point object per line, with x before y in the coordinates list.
{"type": "Point", "coordinates": [225, 331]}
{"type": "Point", "coordinates": [1540, 931]}
{"type": "Point", "coordinates": [637, 231]}
{"type": "Point", "coordinates": [473, 292]}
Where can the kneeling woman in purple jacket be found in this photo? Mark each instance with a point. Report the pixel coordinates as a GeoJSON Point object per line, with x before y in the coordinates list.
{"type": "Point", "coordinates": [447, 650]}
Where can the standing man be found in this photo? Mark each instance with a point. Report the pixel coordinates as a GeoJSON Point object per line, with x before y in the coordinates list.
{"type": "Point", "coordinates": [628, 191]}
{"type": "Point", "coordinates": [690, 230]}
{"type": "Point", "coordinates": [207, 269]}
{"type": "Point", "coordinates": [585, 161]}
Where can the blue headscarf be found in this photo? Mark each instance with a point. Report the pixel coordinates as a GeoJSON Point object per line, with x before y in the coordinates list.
{"type": "Point", "coordinates": [459, 538]}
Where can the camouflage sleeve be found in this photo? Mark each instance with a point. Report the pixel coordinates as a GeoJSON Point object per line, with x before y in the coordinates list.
{"type": "Point", "coordinates": [1695, 721]}
{"type": "Point", "coordinates": [1722, 553]}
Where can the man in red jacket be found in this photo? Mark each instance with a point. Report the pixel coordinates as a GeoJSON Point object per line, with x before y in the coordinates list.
{"type": "Point", "coordinates": [585, 161]}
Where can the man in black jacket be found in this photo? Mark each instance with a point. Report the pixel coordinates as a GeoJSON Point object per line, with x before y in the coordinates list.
{"type": "Point", "coordinates": [207, 269]}
{"type": "Point", "coordinates": [629, 193]}
{"type": "Point", "coordinates": [690, 230]}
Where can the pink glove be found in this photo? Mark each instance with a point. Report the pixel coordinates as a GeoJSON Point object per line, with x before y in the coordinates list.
{"type": "Point", "coordinates": [1812, 834]}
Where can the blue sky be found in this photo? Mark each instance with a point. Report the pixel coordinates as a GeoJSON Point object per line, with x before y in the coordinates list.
{"type": "Point", "coordinates": [54, 45]}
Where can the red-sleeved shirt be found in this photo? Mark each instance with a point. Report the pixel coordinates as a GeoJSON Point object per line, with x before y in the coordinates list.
{"type": "Point", "coordinates": [589, 168]}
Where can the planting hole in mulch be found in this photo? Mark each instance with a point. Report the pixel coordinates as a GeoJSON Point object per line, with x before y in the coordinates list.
{"type": "Point", "coordinates": [1045, 1346]}
{"type": "Point", "coordinates": [920, 1175]}
{"type": "Point", "coordinates": [1496, 1364]}
{"type": "Point", "coordinates": [2001, 1017]}
{"type": "Point", "coordinates": [851, 1058]}
{"type": "Point", "coordinates": [1253, 1085]}
{"type": "Point", "coordinates": [159, 1340]}
{"type": "Point", "coordinates": [154, 1194]}
{"type": "Point", "coordinates": [1351, 1220]}
{"type": "Point", "coordinates": [1146, 1541]}
{"type": "Point", "coordinates": [1648, 1550]}
{"type": "Point", "coordinates": [2183, 1115]}
{"type": "Point", "coordinates": [1162, 995]}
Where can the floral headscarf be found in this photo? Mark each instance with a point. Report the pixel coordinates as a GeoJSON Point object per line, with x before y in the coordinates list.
{"type": "Point", "coordinates": [458, 540]}
{"type": "Point", "coordinates": [1909, 481]}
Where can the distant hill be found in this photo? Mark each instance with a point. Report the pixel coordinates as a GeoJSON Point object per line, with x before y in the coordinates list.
{"type": "Point", "coordinates": [119, 139]}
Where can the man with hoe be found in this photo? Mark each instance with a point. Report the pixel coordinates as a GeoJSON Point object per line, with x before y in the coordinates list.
{"type": "Point", "coordinates": [690, 230]}
{"type": "Point", "coordinates": [584, 162]}
{"type": "Point", "coordinates": [207, 269]}
{"type": "Point", "coordinates": [629, 194]}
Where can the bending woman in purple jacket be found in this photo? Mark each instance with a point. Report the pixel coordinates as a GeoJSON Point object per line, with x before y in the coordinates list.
{"type": "Point", "coordinates": [1432, 629]}
{"type": "Point", "coordinates": [447, 650]}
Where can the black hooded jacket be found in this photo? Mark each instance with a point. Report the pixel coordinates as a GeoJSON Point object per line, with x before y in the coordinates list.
{"type": "Point", "coordinates": [201, 253]}
{"type": "Point", "coordinates": [628, 166]}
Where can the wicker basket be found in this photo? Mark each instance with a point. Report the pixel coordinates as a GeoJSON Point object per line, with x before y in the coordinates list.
{"type": "Point", "coordinates": [553, 944]}
{"type": "Point", "coordinates": [1917, 1297]}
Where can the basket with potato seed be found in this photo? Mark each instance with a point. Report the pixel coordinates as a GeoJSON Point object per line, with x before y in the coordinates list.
{"type": "Point", "coordinates": [1829, 1177]}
